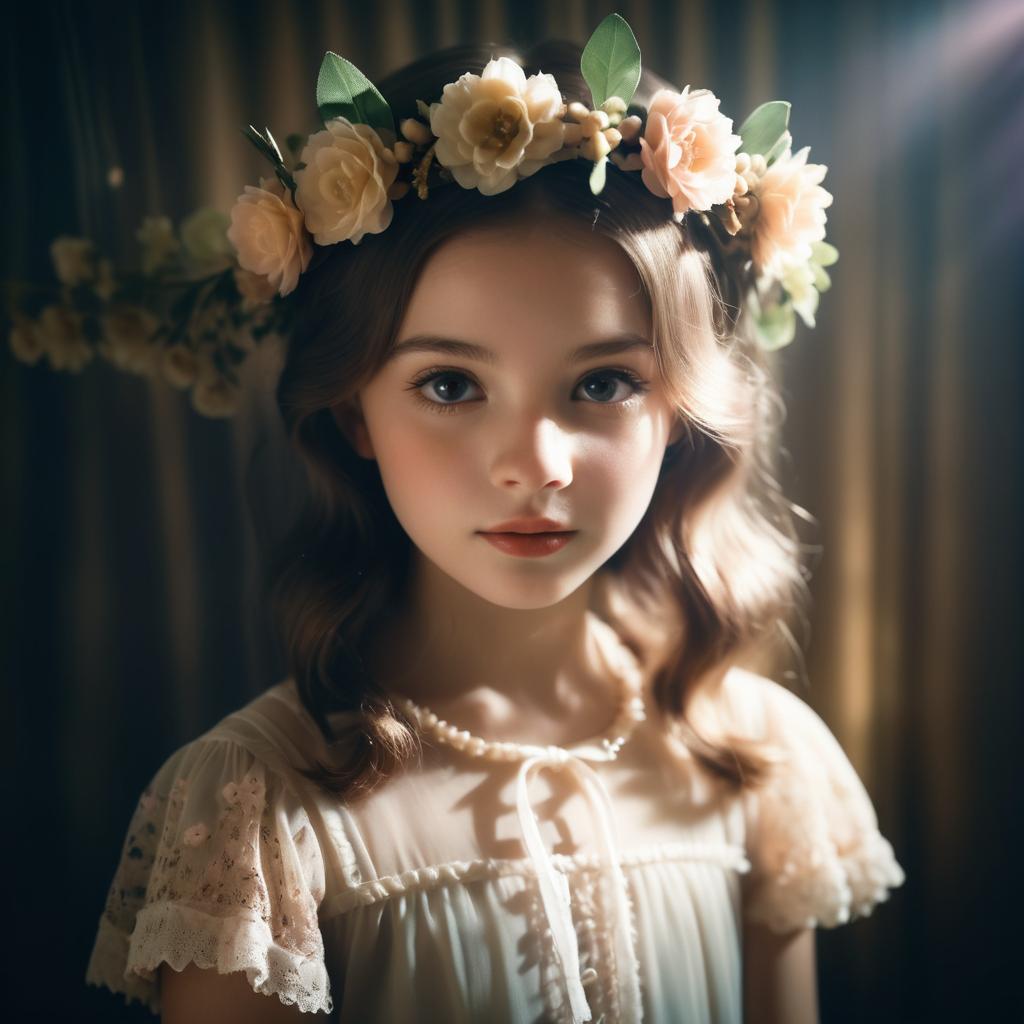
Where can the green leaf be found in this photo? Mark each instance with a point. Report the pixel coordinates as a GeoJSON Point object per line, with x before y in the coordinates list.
{"type": "Point", "coordinates": [763, 129]}
{"type": "Point", "coordinates": [257, 139]}
{"type": "Point", "coordinates": [272, 142]}
{"type": "Point", "coordinates": [824, 254]}
{"type": "Point", "coordinates": [776, 326]}
{"type": "Point", "coordinates": [821, 279]}
{"type": "Point", "coordinates": [611, 61]}
{"type": "Point", "coordinates": [780, 147]}
{"type": "Point", "coordinates": [597, 176]}
{"type": "Point", "coordinates": [342, 90]}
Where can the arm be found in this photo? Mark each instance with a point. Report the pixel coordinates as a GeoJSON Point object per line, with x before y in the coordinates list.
{"type": "Point", "coordinates": [779, 976]}
{"type": "Point", "coordinates": [197, 996]}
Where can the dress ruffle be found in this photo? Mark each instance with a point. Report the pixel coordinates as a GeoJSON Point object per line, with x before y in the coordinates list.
{"type": "Point", "coordinates": [220, 868]}
{"type": "Point", "coordinates": [817, 855]}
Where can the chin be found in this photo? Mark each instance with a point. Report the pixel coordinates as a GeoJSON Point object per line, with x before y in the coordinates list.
{"type": "Point", "coordinates": [531, 592]}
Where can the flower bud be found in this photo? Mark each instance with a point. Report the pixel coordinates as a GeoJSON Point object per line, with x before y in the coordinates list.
{"type": "Point", "coordinates": [614, 105]}
{"type": "Point", "coordinates": [416, 131]}
{"type": "Point", "coordinates": [600, 146]}
{"type": "Point", "coordinates": [630, 127]}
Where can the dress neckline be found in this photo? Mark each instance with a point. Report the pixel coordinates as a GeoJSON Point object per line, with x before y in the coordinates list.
{"type": "Point", "coordinates": [605, 746]}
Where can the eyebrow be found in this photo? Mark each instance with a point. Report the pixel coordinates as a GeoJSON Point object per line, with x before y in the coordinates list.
{"type": "Point", "coordinates": [470, 350]}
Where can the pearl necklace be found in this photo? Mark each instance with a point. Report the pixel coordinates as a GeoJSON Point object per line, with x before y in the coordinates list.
{"type": "Point", "coordinates": [605, 747]}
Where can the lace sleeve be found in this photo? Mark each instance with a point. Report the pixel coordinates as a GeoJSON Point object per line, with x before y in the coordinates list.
{"type": "Point", "coordinates": [220, 868]}
{"type": "Point", "coordinates": [817, 856]}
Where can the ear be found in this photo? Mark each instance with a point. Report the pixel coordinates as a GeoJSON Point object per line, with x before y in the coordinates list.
{"type": "Point", "coordinates": [349, 417]}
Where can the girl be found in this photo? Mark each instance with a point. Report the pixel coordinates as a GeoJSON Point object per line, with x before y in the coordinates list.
{"type": "Point", "coordinates": [516, 772]}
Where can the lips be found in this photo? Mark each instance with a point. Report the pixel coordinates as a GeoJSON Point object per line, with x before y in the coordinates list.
{"type": "Point", "coordinates": [529, 545]}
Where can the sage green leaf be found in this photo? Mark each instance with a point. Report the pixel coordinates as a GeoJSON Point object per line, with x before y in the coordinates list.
{"type": "Point", "coordinates": [764, 127]}
{"type": "Point", "coordinates": [776, 326]}
{"type": "Point", "coordinates": [780, 147]}
{"type": "Point", "coordinates": [342, 90]}
{"type": "Point", "coordinates": [597, 176]}
{"type": "Point", "coordinates": [257, 139]}
{"type": "Point", "coordinates": [611, 61]}
{"type": "Point", "coordinates": [272, 142]}
{"type": "Point", "coordinates": [821, 279]}
{"type": "Point", "coordinates": [824, 254]}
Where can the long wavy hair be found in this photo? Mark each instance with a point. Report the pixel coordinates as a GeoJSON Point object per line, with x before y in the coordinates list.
{"type": "Point", "coordinates": [714, 569]}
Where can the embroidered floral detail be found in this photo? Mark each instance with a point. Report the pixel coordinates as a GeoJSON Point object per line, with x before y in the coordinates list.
{"type": "Point", "coordinates": [196, 835]}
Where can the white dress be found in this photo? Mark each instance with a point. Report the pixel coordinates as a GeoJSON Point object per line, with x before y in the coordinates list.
{"type": "Point", "coordinates": [430, 900]}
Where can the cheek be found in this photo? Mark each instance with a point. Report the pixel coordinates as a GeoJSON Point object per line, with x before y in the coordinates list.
{"type": "Point", "coordinates": [423, 473]}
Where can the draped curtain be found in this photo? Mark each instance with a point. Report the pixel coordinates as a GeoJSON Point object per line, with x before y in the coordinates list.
{"type": "Point", "coordinates": [135, 529]}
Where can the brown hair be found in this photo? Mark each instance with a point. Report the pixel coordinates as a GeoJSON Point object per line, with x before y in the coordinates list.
{"type": "Point", "coordinates": [714, 566]}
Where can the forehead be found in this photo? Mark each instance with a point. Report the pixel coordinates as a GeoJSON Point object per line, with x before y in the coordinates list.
{"type": "Point", "coordinates": [555, 282]}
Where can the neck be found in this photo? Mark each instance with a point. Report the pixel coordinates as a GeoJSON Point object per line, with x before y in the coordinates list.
{"type": "Point", "coordinates": [533, 675]}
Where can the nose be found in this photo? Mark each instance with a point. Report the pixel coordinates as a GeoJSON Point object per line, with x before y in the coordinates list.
{"type": "Point", "coordinates": [537, 456]}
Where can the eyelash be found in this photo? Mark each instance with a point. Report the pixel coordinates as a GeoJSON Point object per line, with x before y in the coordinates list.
{"type": "Point", "coordinates": [639, 386]}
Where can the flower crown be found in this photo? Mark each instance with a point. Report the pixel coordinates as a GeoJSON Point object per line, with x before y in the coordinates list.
{"type": "Point", "coordinates": [209, 294]}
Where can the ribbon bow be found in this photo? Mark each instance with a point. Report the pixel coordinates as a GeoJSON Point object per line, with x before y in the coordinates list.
{"type": "Point", "coordinates": [554, 887]}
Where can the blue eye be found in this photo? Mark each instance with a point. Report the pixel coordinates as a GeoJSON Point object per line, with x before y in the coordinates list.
{"type": "Point", "coordinates": [449, 388]}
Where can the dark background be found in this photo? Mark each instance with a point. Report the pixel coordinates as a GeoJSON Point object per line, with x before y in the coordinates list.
{"type": "Point", "coordinates": [134, 618]}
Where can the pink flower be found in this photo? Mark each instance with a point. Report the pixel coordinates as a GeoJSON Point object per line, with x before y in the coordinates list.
{"type": "Point", "coordinates": [791, 213]}
{"type": "Point", "coordinates": [688, 150]}
{"type": "Point", "coordinates": [269, 234]}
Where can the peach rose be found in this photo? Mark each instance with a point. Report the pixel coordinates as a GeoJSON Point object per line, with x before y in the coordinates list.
{"type": "Point", "coordinates": [495, 128]}
{"type": "Point", "coordinates": [343, 189]}
{"type": "Point", "coordinates": [688, 150]}
{"type": "Point", "coordinates": [269, 235]}
{"type": "Point", "coordinates": [790, 213]}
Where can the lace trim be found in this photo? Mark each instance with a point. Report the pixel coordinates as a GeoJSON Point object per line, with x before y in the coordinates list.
{"type": "Point", "coordinates": [727, 855]}
{"type": "Point", "coordinates": [820, 887]}
{"type": "Point", "coordinates": [179, 935]}
{"type": "Point", "coordinates": [107, 968]}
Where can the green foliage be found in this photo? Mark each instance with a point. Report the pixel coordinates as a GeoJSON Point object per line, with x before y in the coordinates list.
{"type": "Point", "coordinates": [611, 61]}
{"type": "Point", "coordinates": [342, 90]}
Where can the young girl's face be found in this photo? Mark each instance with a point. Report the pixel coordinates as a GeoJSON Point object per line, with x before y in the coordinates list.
{"type": "Point", "coordinates": [520, 419]}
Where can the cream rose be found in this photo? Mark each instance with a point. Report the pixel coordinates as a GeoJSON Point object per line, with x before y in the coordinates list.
{"type": "Point", "coordinates": [269, 235]}
{"type": "Point", "coordinates": [790, 213]}
{"type": "Point", "coordinates": [343, 189]}
{"type": "Point", "coordinates": [26, 344]}
{"type": "Point", "coordinates": [126, 340]}
{"type": "Point", "coordinates": [688, 150]}
{"type": "Point", "coordinates": [216, 398]}
{"type": "Point", "coordinates": [60, 332]}
{"type": "Point", "coordinates": [74, 260]}
{"type": "Point", "coordinates": [495, 128]}
{"type": "Point", "coordinates": [179, 366]}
